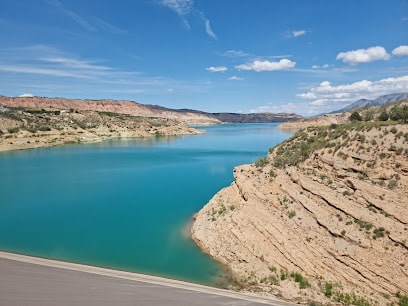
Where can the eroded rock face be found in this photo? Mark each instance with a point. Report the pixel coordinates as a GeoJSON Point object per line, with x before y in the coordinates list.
{"type": "Point", "coordinates": [339, 219]}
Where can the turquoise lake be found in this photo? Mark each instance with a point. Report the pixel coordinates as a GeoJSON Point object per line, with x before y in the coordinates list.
{"type": "Point", "coordinates": [124, 204]}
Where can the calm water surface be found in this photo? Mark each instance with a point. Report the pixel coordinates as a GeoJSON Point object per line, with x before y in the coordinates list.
{"type": "Point", "coordinates": [123, 204]}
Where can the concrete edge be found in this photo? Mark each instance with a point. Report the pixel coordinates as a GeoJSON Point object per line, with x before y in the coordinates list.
{"type": "Point", "coordinates": [137, 277]}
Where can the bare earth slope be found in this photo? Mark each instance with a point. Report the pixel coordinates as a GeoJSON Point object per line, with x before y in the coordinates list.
{"type": "Point", "coordinates": [120, 107]}
{"type": "Point", "coordinates": [33, 128]}
{"type": "Point", "coordinates": [323, 217]}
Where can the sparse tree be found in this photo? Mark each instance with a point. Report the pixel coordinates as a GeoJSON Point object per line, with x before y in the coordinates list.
{"type": "Point", "coordinates": [369, 115]}
{"type": "Point", "coordinates": [383, 116]}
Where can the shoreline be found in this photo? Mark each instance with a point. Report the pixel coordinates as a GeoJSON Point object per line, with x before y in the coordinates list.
{"type": "Point", "coordinates": [118, 274]}
{"type": "Point", "coordinates": [24, 143]}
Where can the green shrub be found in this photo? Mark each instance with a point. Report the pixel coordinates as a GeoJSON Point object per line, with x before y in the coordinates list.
{"type": "Point", "coordinates": [383, 116]}
{"type": "Point", "coordinates": [303, 282]}
{"type": "Point", "coordinates": [261, 162]}
{"type": "Point", "coordinates": [399, 113]}
{"type": "Point", "coordinates": [355, 116]}
{"type": "Point", "coordinates": [283, 274]}
{"type": "Point", "coordinates": [44, 128]}
{"type": "Point", "coordinates": [403, 299]}
{"type": "Point", "coordinates": [392, 184]}
{"type": "Point", "coordinates": [291, 214]}
{"type": "Point", "coordinates": [351, 299]}
{"type": "Point", "coordinates": [378, 232]}
{"type": "Point", "coordinates": [300, 147]}
{"type": "Point", "coordinates": [13, 130]}
{"type": "Point", "coordinates": [328, 289]}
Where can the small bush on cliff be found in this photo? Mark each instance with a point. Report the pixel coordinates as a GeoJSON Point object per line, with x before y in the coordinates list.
{"type": "Point", "coordinates": [291, 214]}
{"type": "Point", "coordinates": [300, 147]}
{"type": "Point", "coordinates": [403, 299]}
{"type": "Point", "coordinates": [13, 130]}
{"type": "Point", "coordinates": [261, 162]}
{"type": "Point", "coordinates": [328, 289]}
{"type": "Point", "coordinates": [298, 278]}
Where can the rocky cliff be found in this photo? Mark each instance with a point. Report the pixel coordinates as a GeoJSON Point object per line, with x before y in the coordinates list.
{"type": "Point", "coordinates": [323, 218]}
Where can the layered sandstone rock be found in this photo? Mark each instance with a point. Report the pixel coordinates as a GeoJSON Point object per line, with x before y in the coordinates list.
{"type": "Point", "coordinates": [329, 225]}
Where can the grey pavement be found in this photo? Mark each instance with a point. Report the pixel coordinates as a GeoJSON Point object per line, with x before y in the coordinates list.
{"type": "Point", "coordinates": [27, 283]}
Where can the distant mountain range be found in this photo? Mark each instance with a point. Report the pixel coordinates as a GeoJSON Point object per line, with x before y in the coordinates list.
{"type": "Point", "coordinates": [235, 117]}
{"type": "Point", "coordinates": [376, 102]}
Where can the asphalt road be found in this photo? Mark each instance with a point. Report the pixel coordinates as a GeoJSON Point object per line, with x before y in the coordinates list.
{"type": "Point", "coordinates": [31, 281]}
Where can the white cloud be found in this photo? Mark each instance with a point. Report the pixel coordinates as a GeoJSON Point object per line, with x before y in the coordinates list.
{"type": "Point", "coordinates": [108, 27]}
{"type": "Point", "coordinates": [235, 53]}
{"type": "Point", "coordinates": [401, 50]}
{"type": "Point", "coordinates": [74, 63]}
{"type": "Point", "coordinates": [258, 66]}
{"type": "Point", "coordinates": [216, 69]}
{"type": "Point", "coordinates": [330, 97]}
{"type": "Point", "coordinates": [181, 7]}
{"type": "Point", "coordinates": [307, 95]}
{"type": "Point", "coordinates": [52, 72]}
{"type": "Point", "coordinates": [93, 25]}
{"type": "Point", "coordinates": [345, 69]}
{"type": "Point", "coordinates": [280, 108]}
{"type": "Point", "coordinates": [74, 16]}
{"type": "Point", "coordinates": [184, 8]}
{"type": "Point", "coordinates": [55, 72]}
{"type": "Point", "coordinates": [298, 33]}
{"type": "Point", "coordinates": [325, 66]}
{"type": "Point", "coordinates": [26, 95]}
{"type": "Point", "coordinates": [294, 34]}
{"type": "Point", "coordinates": [209, 30]}
{"type": "Point", "coordinates": [235, 78]}
{"type": "Point", "coordinates": [363, 55]}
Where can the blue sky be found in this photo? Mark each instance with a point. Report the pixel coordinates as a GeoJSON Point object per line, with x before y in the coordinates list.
{"type": "Point", "coordinates": [245, 56]}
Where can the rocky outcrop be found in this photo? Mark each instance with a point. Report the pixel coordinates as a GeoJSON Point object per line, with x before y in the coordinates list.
{"type": "Point", "coordinates": [323, 217]}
